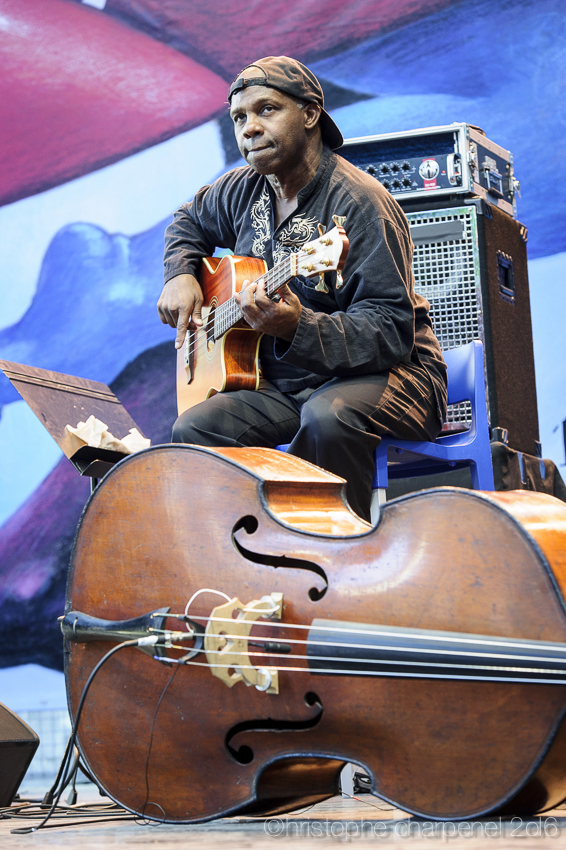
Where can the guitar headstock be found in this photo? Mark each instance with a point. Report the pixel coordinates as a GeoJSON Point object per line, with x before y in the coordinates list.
{"type": "Point", "coordinates": [326, 254]}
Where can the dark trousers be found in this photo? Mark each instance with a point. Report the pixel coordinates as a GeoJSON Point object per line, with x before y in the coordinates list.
{"type": "Point", "coordinates": [336, 426]}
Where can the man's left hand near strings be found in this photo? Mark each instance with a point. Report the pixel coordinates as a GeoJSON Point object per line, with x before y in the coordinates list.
{"type": "Point", "coordinates": [276, 318]}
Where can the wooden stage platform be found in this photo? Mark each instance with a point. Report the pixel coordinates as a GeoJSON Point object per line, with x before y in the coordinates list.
{"type": "Point", "coordinates": [364, 819]}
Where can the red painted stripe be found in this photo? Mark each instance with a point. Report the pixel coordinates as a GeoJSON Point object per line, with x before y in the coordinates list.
{"type": "Point", "coordinates": [79, 90]}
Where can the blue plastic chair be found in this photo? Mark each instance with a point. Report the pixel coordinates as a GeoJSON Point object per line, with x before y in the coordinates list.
{"type": "Point", "coordinates": [452, 451]}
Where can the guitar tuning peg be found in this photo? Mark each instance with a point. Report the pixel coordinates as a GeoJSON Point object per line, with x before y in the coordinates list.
{"type": "Point", "coordinates": [321, 285]}
{"type": "Point", "coordinates": [321, 229]}
{"type": "Point", "coordinates": [339, 280]}
{"type": "Point", "coordinates": [339, 220]}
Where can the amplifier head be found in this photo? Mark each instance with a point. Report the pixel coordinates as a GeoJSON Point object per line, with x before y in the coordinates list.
{"type": "Point", "coordinates": [451, 160]}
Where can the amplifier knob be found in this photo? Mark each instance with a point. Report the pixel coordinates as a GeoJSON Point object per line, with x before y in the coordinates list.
{"type": "Point", "coordinates": [384, 169]}
{"type": "Point", "coordinates": [370, 169]}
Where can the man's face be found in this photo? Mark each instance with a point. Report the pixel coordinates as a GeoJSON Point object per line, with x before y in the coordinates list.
{"type": "Point", "coordinates": [270, 128]}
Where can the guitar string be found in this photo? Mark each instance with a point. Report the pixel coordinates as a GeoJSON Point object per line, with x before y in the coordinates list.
{"type": "Point", "coordinates": [233, 313]}
{"type": "Point", "coordinates": [230, 312]}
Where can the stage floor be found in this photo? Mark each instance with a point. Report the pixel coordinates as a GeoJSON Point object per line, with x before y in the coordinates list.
{"type": "Point", "coordinates": [363, 819]}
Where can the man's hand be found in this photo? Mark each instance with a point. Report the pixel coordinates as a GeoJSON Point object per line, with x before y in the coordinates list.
{"type": "Point", "coordinates": [180, 304]}
{"type": "Point", "coordinates": [276, 318]}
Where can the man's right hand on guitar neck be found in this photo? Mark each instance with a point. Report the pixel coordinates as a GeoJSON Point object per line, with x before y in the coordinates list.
{"type": "Point", "coordinates": [180, 304]}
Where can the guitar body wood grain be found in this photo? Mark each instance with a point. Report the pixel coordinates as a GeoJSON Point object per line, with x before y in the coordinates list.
{"type": "Point", "coordinates": [230, 363]}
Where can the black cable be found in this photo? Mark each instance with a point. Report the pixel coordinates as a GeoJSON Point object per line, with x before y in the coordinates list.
{"type": "Point", "coordinates": [63, 770]}
{"type": "Point", "coordinates": [86, 810]}
{"type": "Point", "coordinates": [146, 801]}
{"type": "Point", "coordinates": [54, 790]}
{"type": "Point", "coordinates": [72, 798]}
{"type": "Point", "coordinates": [71, 773]}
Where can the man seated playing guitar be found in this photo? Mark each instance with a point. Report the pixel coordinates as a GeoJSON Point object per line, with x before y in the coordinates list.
{"type": "Point", "coordinates": [345, 358]}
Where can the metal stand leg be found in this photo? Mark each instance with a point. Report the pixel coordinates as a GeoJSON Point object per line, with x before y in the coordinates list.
{"type": "Point", "coordinates": [378, 498]}
{"type": "Point", "coordinates": [347, 780]}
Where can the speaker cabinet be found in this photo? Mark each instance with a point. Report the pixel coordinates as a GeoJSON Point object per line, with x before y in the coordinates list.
{"type": "Point", "coordinates": [470, 263]}
{"type": "Point", "coordinates": [18, 743]}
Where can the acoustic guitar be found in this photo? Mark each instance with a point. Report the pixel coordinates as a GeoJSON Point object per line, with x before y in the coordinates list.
{"type": "Point", "coordinates": [223, 354]}
{"type": "Point", "coordinates": [290, 637]}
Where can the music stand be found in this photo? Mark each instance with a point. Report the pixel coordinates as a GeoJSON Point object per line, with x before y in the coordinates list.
{"type": "Point", "coordinates": [59, 400]}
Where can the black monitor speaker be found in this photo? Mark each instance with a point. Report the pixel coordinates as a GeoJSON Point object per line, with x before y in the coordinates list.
{"type": "Point", "coordinates": [18, 743]}
{"type": "Point", "coordinates": [470, 263]}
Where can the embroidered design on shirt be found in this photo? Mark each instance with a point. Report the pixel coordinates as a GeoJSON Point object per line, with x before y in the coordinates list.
{"type": "Point", "coordinates": [261, 223]}
{"type": "Point", "coordinates": [298, 231]}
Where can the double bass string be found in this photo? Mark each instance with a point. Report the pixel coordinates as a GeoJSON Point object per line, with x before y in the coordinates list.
{"type": "Point", "coordinates": [388, 673]}
{"type": "Point", "coordinates": [482, 656]}
{"type": "Point", "coordinates": [388, 647]}
{"type": "Point", "coordinates": [395, 662]}
{"type": "Point", "coordinates": [454, 636]}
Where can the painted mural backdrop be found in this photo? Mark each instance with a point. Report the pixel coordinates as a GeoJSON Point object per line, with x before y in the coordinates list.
{"type": "Point", "coordinates": [113, 113]}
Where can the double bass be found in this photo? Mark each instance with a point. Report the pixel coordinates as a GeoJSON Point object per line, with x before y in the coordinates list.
{"type": "Point", "coordinates": [289, 637]}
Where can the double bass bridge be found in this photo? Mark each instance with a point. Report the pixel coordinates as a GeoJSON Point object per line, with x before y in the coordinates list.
{"type": "Point", "coordinates": [226, 642]}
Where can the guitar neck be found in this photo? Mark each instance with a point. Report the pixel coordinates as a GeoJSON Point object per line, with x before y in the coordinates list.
{"type": "Point", "coordinates": [229, 314]}
{"type": "Point", "coordinates": [326, 253]}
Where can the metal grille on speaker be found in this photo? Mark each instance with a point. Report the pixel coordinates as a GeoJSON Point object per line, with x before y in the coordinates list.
{"type": "Point", "coordinates": [447, 274]}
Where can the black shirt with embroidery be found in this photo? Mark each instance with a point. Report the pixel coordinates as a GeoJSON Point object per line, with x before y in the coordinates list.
{"type": "Point", "coordinates": [370, 323]}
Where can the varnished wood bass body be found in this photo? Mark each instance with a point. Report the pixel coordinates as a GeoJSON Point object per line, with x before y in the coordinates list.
{"type": "Point", "coordinates": [223, 355]}
{"type": "Point", "coordinates": [442, 561]}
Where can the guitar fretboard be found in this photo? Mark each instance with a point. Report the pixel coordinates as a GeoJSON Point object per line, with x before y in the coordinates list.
{"type": "Point", "coordinates": [229, 313]}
